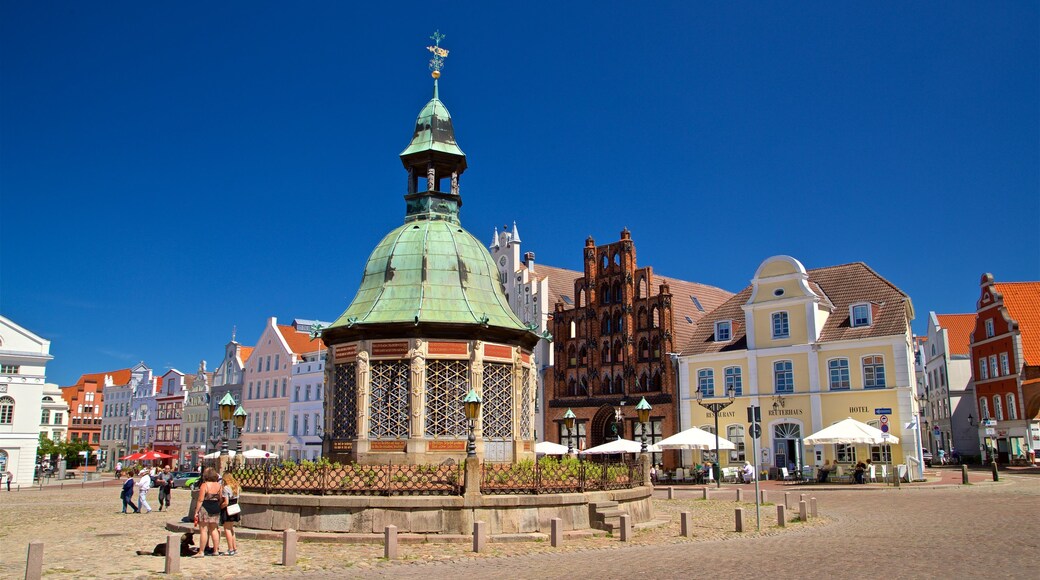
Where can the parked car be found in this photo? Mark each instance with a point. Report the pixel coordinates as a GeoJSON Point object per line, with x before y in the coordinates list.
{"type": "Point", "coordinates": [927, 457]}
{"type": "Point", "coordinates": [183, 478]}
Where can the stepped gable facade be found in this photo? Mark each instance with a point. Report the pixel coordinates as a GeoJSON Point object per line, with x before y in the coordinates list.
{"type": "Point", "coordinates": [612, 347]}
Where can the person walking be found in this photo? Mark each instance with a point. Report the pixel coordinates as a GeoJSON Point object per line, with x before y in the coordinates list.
{"type": "Point", "coordinates": [10, 476]}
{"type": "Point", "coordinates": [231, 491]}
{"type": "Point", "coordinates": [128, 494]}
{"type": "Point", "coordinates": [144, 483]}
{"type": "Point", "coordinates": [165, 483]}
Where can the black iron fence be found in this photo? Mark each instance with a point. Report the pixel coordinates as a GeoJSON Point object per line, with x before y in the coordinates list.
{"type": "Point", "coordinates": [551, 476]}
{"type": "Point", "coordinates": [352, 479]}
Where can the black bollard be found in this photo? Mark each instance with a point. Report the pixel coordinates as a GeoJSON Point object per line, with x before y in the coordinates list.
{"type": "Point", "coordinates": [996, 476]}
{"type": "Point", "coordinates": [964, 475]}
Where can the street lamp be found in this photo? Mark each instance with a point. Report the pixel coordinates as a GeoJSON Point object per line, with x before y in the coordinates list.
{"type": "Point", "coordinates": [643, 410]}
{"type": "Point", "coordinates": [568, 421]}
{"type": "Point", "coordinates": [239, 419]}
{"type": "Point", "coordinates": [227, 410]}
{"type": "Point", "coordinates": [715, 409]}
{"type": "Point", "coordinates": [472, 406]}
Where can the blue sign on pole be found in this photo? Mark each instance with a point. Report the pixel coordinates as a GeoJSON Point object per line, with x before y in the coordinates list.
{"type": "Point", "coordinates": [882, 410]}
{"type": "Point", "coordinates": [884, 428]}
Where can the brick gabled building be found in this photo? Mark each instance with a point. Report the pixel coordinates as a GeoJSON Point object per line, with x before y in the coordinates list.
{"type": "Point", "coordinates": [612, 347]}
{"type": "Point", "coordinates": [1005, 356]}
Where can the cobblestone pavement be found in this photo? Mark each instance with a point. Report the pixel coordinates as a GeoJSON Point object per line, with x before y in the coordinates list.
{"type": "Point", "coordinates": [927, 530]}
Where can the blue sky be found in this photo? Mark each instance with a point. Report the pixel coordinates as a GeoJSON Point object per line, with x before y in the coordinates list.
{"type": "Point", "coordinates": [170, 172]}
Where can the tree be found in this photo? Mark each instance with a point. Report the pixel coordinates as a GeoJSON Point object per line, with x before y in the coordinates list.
{"type": "Point", "coordinates": [48, 448]}
{"type": "Point", "coordinates": [71, 450]}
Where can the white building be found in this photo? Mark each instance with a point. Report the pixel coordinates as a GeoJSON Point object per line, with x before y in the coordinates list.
{"type": "Point", "coordinates": [115, 422]}
{"type": "Point", "coordinates": [142, 408]}
{"type": "Point", "coordinates": [949, 394]}
{"type": "Point", "coordinates": [195, 418]}
{"type": "Point", "coordinates": [532, 292]}
{"type": "Point", "coordinates": [23, 361]}
{"type": "Point", "coordinates": [306, 406]}
{"type": "Point", "coordinates": [54, 414]}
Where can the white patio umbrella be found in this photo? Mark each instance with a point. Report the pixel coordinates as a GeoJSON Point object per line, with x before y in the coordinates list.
{"type": "Point", "coordinates": [694, 438]}
{"type": "Point", "coordinates": [550, 448]}
{"type": "Point", "coordinates": [216, 454]}
{"type": "Point", "coordinates": [255, 453]}
{"type": "Point", "coordinates": [850, 432]}
{"type": "Point", "coordinates": [620, 446]}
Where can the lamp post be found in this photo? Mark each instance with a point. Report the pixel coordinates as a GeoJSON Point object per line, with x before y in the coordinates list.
{"type": "Point", "coordinates": [227, 409]}
{"type": "Point", "coordinates": [472, 406]}
{"type": "Point", "coordinates": [568, 422]}
{"type": "Point", "coordinates": [715, 409]}
{"type": "Point", "coordinates": [239, 419]}
{"type": "Point", "coordinates": [643, 410]}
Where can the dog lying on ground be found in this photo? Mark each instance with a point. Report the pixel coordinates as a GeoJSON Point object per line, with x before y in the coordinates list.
{"type": "Point", "coordinates": [188, 547]}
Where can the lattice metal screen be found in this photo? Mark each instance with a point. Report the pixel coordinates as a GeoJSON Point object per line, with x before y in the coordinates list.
{"type": "Point", "coordinates": [525, 404]}
{"type": "Point", "coordinates": [447, 383]}
{"type": "Point", "coordinates": [344, 403]}
{"type": "Point", "coordinates": [498, 401]}
{"type": "Point", "coordinates": [389, 400]}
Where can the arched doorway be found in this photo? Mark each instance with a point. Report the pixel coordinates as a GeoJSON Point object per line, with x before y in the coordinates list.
{"type": "Point", "coordinates": [605, 426]}
{"type": "Point", "coordinates": [787, 445]}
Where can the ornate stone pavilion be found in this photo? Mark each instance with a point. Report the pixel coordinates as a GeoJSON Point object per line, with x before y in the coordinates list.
{"type": "Point", "coordinates": [429, 322]}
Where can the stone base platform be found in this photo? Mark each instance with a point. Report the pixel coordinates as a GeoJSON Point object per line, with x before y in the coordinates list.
{"type": "Point", "coordinates": [432, 518]}
{"type": "Point", "coordinates": [339, 538]}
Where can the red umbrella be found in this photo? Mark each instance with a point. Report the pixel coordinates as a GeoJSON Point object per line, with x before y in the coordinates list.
{"type": "Point", "coordinates": [132, 457]}
{"type": "Point", "coordinates": [153, 455]}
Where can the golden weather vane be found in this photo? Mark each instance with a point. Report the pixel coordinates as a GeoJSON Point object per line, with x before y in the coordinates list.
{"type": "Point", "coordinates": [439, 54]}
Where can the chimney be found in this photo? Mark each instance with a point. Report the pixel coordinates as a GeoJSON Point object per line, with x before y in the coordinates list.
{"type": "Point", "coordinates": [529, 260]}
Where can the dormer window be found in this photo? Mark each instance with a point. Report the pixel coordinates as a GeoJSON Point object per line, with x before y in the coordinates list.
{"type": "Point", "coordinates": [860, 315]}
{"type": "Point", "coordinates": [723, 330]}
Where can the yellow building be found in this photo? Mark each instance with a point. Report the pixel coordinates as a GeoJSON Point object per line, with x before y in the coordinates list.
{"type": "Point", "coordinates": [810, 348]}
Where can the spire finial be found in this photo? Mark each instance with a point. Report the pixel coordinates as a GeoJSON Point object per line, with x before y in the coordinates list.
{"type": "Point", "coordinates": [439, 54]}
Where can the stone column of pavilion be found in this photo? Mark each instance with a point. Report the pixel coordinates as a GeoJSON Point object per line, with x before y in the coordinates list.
{"type": "Point", "coordinates": [430, 321]}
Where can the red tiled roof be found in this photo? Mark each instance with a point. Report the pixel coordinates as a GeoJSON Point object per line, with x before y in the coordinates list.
{"type": "Point", "coordinates": [958, 331]}
{"type": "Point", "coordinates": [120, 377]}
{"type": "Point", "coordinates": [300, 342]}
{"type": "Point", "coordinates": [841, 286]}
{"type": "Point", "coordinates": [561, 284]}
{"type": "Point", "coordinates": [1022, 300]}
{"type": "Point", "coordinates": [245, 352]}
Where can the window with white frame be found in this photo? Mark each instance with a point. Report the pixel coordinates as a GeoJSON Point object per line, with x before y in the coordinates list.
{"type": "Point", "coordinates": [984, 407]}
{"type": "Point", "coordinates": [723, 330]}
{"type": "Point", "coordinates": [879, 453]}
{"type": "Point", "coordinates": [733, 381]}
{"type": "Point", "coordinates": [735, 434]}
{"type": "Point", "coordinates": [845, 453]}
{"type": "Point", "coordinates": [706, 382]}
{"type": "Point", "coordinates": [1005, 364]}
{"type": "Point", "coordinates": [983, 369]}
{"type": "Point", "coordinates": [781, 325]}
{"type": "Point", "coordinates": [1012, 408]}
{"type": "Point", "coordinates": [998, 408]}
{"type": "Point", "coordinates": [783, 376]}
{"type": "Point", "coordinates": [860, 315]}
{"type": "Point", "coordinates": [993, 368]}
{"type": "Point", "coordinates": [295, 424]}
{"type": "Point", "coordinates": [873, 372]}
{"type": "Point", "coordinates": [839, 377]}
{"type": "Point", "coordinates": [989, 328]}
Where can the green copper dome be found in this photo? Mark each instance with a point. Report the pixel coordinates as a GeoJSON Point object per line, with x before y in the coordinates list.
{"type": "Point", "coordinates": [430, 271]}
{"type": "Point", "coordinates": [429, 277]}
